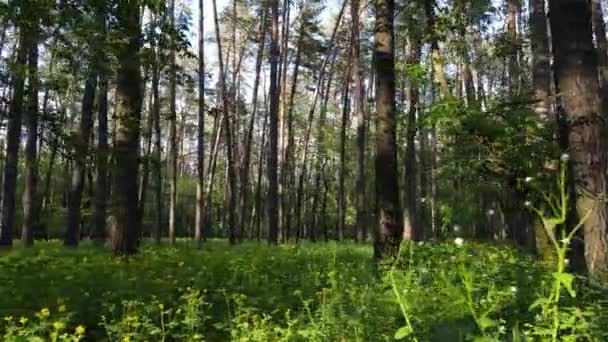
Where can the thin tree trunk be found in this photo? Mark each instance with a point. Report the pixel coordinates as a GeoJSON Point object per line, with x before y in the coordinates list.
{"type": "Point", "coordinates": [200, 163]}
{"type": "Point", "coordinates": [249, 134]}
{"type": "Point", "coordinates": [273, 186]}
{"type": "Point", "coordinates": [228, 132]}
{"type": "Point", "coordinates": [81, 147]}
{"type": "Point", "coordinates": [360, 115]}
{"type": "Point", "coordinates": [329, 57]}
{"type": "Point", "coordinates": [412, 228]}
{"type": "Point", "coordinates": [342, 170]}
{"type": "Point", "coordinates": [101, 186]}
{"type": "Point", "coordinates": [173, 151]}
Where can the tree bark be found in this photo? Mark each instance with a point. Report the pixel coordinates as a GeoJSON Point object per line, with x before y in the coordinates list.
{"type": "Point", "coordinates": [81, 147]}
{"type": "Point", "coordinates": [577, 81]}
{"type": "Point", "coordinates": [227, 124]}
{"type": "Point", "coordinates": [273, 186]}
{"type": "Point", "coordinates": [599, 29]}
{"type": "Point", "coordinates": [250, 127]}
{"type": "Point", "coordinates": [125, 230]}
{"type": "Point", "coordinates": [173, 151]}
{"type": "Point", "coordinates": [13, 137]}
{"type": "Point", "coordinates": [30, 199]}
{"type": "Point", "coordinates": [360, 115]}
{"type": "Point", "coordinates": [200, 151]}
{"type": "Point", "coordinates": [541, 58]}
{"type": "Point", "coordinates": [412, 228]}
{"type": "Point", "coordinates": [389, 228]}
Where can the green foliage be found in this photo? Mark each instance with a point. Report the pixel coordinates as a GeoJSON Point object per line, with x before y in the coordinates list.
{"type": "Point", "coordinates": [312, 292]}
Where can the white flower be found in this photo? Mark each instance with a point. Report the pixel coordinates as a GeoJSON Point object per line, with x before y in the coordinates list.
{"type": "Point", "coordinates": [456, 228]}
{"type": "Point", "coordinates": [527, 204]}
{"type": "Point", "coordinates": [564, 157]}
{"type": "Point", "coordinates": [423, 200]}
{"type": "Point", "coordinates": [458, 241]}
{"type": "Point", "coordinates": [491, 212]}
{"type": "Point", "coordinates": [529, 179]}
{"type": "Point", "coordinates": [565, 241]}
{"type": "Point", "coordinates": [567, 261]}
{"type": "Point", "coordinates": [420, 243]}
{"type": "Point", "coordinates": [513, 289]}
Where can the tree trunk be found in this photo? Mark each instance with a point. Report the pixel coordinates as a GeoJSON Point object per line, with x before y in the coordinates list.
{"type": "Point", "coordinates": [342, 171]}
{"type": "Point", "coordinates": [599, 29]}
{"type": "Point", "coordinates": [360, 115]}
{"type": "Point", "coordinates": [13, 137]}
{"type": "Point", "coordinates": [232, 192]}
{"type": "Point", "coordinates": [81, 147]}
{"type": "Point", "coordinates": [125, 230]}
{"type": "Point", "coordinates": [200, 163]}
{"type": "Point", "coordinates": [412, 229]}
{"type": "Point", "coordinates": [541, 58]}
{"type": "Point", "coordinates": [577, 81]}
{"type": "Point", "coordinates": [101, 185]}
{"type": "Point", "coordinates": [273, 186]}
{"type": "Point", "coordinates": [389, 228]}
{"type": "Point", "coordinates": [249, 134]}
{"type": "Point", "coordinates": [30, 199]}
{"type": "Point", "coordinates": [173, 151]}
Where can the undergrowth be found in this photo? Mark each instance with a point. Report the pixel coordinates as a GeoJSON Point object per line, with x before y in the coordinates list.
{"type": "Point", "coordinates": [451, 291]}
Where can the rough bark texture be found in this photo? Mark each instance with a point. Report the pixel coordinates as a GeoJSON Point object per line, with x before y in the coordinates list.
{"type": "Point", "coordinates": [273, 186]}
{"type": "Point", "coordinates": [577, 83]}
{"type": "Point", "coordinates": [13, 137]}
{"type": "Point", "coordinates": [541, 57]}
{"type": "Point", "coordinates": [359, 113]}
{"type": "Point", "coordinates": [101, 183]}
{"type": "Point", "coordinates": [173, 150]}
{"type": "Point", "coordinates": [200, 151]}
{"type": "Point", "coordinates": [599, 30]}
{"type": "Point", "coordinates": [412, 228]}
{"type": "Point", "coordinates": [81, 147]}
{"type": "Point", "coordinates": [227, 125]}
{"type": "Point", "coordinates": [389, 227]}
{"type": "Point", "coordinates": [30, 204]}
{"type": "Point", "coordinates": [249, 134]}
{"type": "Point", "coordinates": [125, 230]}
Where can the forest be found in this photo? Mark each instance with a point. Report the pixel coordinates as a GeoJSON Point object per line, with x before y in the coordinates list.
{"type": "Point", "coordinates": [303, 170]}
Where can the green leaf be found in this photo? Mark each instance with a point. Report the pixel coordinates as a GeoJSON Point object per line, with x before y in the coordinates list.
{"type": "Point", "coordinates": [566, 279]}
{"type": "Point", "coordinates": [403, 332]}
{"type": "Point", "coordinates": [485, 322]}
{"type": "Point", "coordinates": [538, 302]}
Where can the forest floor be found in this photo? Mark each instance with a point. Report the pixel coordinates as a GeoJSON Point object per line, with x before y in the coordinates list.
{"type": "Point", "coordinates": [308, 292]}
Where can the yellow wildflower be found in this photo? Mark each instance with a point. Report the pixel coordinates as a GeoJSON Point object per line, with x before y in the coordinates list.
{"type": "Point", "coordinates": [58, 325]}
{"type": "Point", "coordinates": [80, 330]}
{"type": "Point", "coordinates": [63, 308]}
{"type": "Point", "coordinates": [45, 312]}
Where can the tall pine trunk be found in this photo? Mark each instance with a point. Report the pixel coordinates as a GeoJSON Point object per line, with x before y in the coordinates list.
{"type": "Point", "coordinates": [389, 227]}
{"type": "Point", "coordinates": [13, 137]}
{"type": "Point", "coordinates": [30, 197]}
{"type": "Point", "coordinates": [173, 150]}
{"type": "Point", "coordinates": [273, 186]}
{"type": "Point", "coordinates": [576, 77]}
{"type": "Point", "coordinates": [200, 151]}
{"type": "Point", "coordinates": [359, 113]}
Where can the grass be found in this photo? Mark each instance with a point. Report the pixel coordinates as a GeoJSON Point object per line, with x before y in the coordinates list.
{"type": "Point", "coordinates": [307, 292]}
